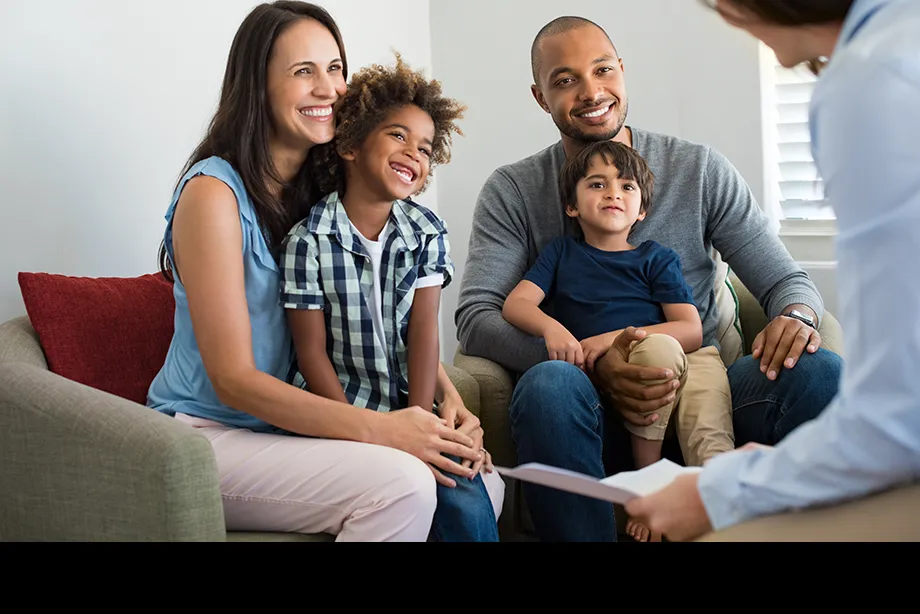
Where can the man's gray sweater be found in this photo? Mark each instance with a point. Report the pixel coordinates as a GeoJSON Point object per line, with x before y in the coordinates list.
{"type": "Point", "coordinates": [700, 201]}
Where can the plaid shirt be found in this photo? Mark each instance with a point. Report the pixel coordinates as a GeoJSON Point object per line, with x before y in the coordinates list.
{"type": "Point", "coordinates": [325, 266]}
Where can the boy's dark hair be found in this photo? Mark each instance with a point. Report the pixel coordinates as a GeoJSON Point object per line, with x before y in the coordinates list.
{"type": "Point", "coordinates": [374, 93]}
{"type": "Point", "coordinates": [627, 161]}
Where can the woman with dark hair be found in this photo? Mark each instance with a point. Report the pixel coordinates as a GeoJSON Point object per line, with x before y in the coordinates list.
{"type": "Point", "coordinates": [865, 126]}
{"type": "Point", "coordinates": [289, 461]}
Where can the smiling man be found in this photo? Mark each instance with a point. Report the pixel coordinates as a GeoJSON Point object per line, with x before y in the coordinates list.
{"type": "Point", "coordinates": [557, 413]}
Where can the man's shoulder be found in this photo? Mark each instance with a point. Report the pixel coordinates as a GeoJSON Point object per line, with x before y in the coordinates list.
{"type": "Point", "coordinates": [533, 168]}
{"type": "Point", "coordinates": [655, 144]}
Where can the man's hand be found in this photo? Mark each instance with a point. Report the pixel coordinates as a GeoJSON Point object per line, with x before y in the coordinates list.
{"type": "Point", "coordinates": [625, 385]}
{"type": "Point", "coordinates": [781, 344]}
{"type": "Point", "coordinates": [594, 348]}
{"type": "Point", "coordinates": [676, 511]}
{"type": "Point", "coordinates": [562, 345]}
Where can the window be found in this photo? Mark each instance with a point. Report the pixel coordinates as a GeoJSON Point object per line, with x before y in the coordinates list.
{"type": "Point", "coordinates": [794, 188]}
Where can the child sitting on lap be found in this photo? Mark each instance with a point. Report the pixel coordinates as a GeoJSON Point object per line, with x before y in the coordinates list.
{"type": "Point", "coordinates": [363, 273]}
{"type": "Point", "coordinates": [600, 285]}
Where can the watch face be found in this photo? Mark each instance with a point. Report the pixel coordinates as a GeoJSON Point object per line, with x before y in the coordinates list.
{"type": "Point", "coordinates": [801, 316]}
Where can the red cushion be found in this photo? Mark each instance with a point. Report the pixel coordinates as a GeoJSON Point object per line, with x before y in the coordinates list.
{"type": "Point", "coordinates": [108, 333]}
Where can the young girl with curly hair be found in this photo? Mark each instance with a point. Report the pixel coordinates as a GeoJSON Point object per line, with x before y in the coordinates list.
{"type": "Point", "coordinates": [363, 273]}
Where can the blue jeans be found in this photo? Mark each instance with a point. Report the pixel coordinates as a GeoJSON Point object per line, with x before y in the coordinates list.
{"type": "Point", "coordinates": [557, 418]}
{"type": "Point", "coordinates": [464, 513]}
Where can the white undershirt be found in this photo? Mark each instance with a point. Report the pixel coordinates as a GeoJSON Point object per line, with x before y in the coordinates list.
{"type": "Point", "coordinates": [375, 300]}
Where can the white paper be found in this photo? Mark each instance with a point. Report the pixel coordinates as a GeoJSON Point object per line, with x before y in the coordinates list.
{"type": "Point", "coordinates": [618, 488]}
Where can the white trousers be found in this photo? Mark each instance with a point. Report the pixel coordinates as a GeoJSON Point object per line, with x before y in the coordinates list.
{"type": "Point", "coordinates": [356, 491]}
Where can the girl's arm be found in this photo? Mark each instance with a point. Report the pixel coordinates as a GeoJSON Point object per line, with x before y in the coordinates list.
{"type": "Point", "coordinates": [424, 347]}
{"type": "Point", "coordinates": [445, 390]}
{"type": "Point", "coordinates": [308, 328]}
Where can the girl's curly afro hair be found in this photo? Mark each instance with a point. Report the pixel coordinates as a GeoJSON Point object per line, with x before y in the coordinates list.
{"type": "Point", "coordinates": [374, 93]}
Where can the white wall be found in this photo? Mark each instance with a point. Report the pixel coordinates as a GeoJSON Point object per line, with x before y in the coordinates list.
{"type": "Point", "coordinates": [102, 102]}
{"type": "Point", "coordinates": [687, 74]}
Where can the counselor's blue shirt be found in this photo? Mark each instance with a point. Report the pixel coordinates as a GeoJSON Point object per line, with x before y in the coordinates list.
{"type": "Point", "coordinates": [865, 126]}
{"type": "Point", "coordinates": [596, 292]}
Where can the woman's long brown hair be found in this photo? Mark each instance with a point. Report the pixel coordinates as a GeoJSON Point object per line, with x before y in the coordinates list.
{"type": "Point", "coordinates": [240, 129]}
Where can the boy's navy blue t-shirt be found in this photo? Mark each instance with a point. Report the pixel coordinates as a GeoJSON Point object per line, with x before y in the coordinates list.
{"type": "Point", "coordinates": [595, 292]}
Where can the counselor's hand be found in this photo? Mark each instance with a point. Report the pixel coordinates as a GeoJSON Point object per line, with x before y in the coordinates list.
{"type": "Point", "coordinates": [676, 511]}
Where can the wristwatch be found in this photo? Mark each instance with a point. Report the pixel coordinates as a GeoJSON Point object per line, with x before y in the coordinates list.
{"type": "Point", "coordinates": [801, 317]}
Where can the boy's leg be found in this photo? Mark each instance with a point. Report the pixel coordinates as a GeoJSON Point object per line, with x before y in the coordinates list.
{"type": "Point", "coordinates": [704, 413]}
{"type": "Point", "coordinates": [664, 352]}
{"type": "Point", "coordinates": [661, 351]}
{"type": "Point", "coordinates": [464, 513]}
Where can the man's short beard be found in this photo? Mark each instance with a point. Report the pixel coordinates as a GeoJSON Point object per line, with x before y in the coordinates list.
{"type": "Point", "coordinates": [575, 134]}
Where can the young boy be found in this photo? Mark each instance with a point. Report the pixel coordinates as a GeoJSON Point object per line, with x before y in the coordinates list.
{"type": "Point", "coordinates": [362, 275]}
{"type": "Point", "coordinates": [600, 285]}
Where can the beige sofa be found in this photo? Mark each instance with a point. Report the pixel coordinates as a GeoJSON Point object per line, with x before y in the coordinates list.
{"type": "Point", "coordinates": [78, 464]}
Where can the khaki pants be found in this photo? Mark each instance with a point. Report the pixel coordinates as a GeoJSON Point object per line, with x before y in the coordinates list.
{"type": "Point", "coordinates": [889, 516]}
{"type": "Point", "coordinates": [702, 409]}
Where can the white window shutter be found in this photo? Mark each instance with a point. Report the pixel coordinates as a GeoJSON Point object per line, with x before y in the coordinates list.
{"type": "Point", "coordinates": [801, 191]}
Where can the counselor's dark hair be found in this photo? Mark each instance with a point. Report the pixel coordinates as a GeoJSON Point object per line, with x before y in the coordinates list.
{"type": "Point", "coordinates": [625, 159]}
{"type": "Point", "coordinates": [793, 13]}
{"type": "Point", "coordinates": [239, 131]}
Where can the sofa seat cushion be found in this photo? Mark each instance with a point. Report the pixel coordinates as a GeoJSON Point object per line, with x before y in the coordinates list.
{"type": "Point", "coordinates": [108, 333]}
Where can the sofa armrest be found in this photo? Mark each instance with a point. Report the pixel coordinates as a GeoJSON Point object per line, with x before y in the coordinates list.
{"type": "Point", "coordinates": [495, 388]}
{"type": "Point", "coordinates": [831, 334]}
{"type": "Point", "coordinates": [79, 464]}
{"type": "Point", "coordinates": [466, 386]}
{"type": "Point", "coordinates": [19, 343]}
{"type": "Point", "coordinates": [754, 320]}
{"type": "Point", "coordinates": [496, 385]}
